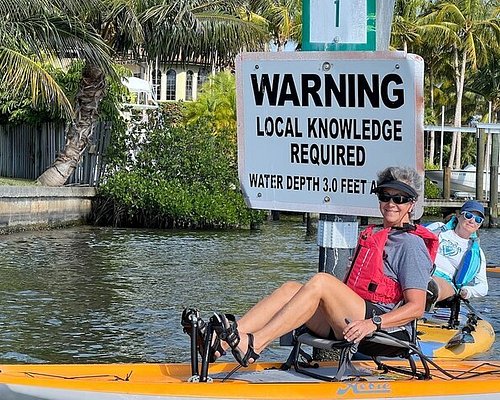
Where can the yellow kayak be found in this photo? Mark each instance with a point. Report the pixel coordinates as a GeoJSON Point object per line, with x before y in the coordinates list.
{"type": "Point", "coordinates": [449, 377]}
{"type": "Point", "coordinates": [478, 380]}
{"type": "Point", "coordinates": [435, 339]}
{"type": "Point", "coordinates": [444, 375]}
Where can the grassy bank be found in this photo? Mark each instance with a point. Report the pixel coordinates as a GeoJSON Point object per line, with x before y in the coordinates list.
{"type": "Point", "coordinates": [15, 182]}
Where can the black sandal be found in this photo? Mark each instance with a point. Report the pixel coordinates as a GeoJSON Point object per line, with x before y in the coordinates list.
{"type": "Point", "coordinates": [227, 329]}
{"type": "Point", "coordinates": [216, 346]}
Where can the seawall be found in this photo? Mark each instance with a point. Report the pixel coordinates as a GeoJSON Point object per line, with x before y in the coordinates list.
{"type": "Point", "coordinates": [26, 207]}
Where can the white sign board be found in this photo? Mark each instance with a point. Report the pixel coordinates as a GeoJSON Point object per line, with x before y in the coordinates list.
{"type": "Point", "coordinates": [345, 25]}
{"type": "Point", "coordinates": [315, 127]}
{"type": "Point", "coordinates": [338, 21]}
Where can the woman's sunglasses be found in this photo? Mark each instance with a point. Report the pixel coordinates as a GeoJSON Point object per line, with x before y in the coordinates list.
{"type": "Point", "coordinates": [396, 198]}
{"type": "Point", "coordinates": [468, 215]}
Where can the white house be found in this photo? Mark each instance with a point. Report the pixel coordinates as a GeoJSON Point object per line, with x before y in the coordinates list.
{"type": "Point", "coordinates": [172, 82]}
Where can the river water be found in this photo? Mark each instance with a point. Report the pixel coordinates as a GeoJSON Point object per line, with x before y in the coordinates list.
{"type": "Point", "coordinates": [89, 294]}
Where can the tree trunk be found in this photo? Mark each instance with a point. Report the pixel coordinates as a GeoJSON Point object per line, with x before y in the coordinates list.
{"type": "Point", "coordinates": [432, 138]}
{"type": "Point", "coordinates": [453, 148]}
{"type": "Point", "coordinates": [458, 108]}
{"type": "Point", "coordinates": [432, 146]}
{"type": "Point", "coordinates": [80, 131]}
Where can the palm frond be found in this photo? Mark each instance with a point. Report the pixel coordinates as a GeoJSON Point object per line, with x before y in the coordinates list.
{"type": "Point", "coordinates": [23, 75]}
{"type": "Point", "coordinates": [175, 32]}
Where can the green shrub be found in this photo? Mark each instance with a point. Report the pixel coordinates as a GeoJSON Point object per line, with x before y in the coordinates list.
{"type": "Point", "coordinates": [216, 103]}
{"type": "Point", "coordinates": [169, 175]}
{"type": "Point", "coordinates": [431, 190]}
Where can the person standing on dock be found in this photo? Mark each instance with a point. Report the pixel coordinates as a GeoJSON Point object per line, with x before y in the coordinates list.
{"type": "Point", "coordinates": [460, 262]}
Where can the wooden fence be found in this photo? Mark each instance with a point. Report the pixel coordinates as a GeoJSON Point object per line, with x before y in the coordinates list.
{"type": "Point", "coordinates": [26, 151]}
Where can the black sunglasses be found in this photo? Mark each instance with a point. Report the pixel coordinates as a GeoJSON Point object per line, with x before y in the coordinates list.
{"type": "Point", "coordinates": [468, 215]}
{"type": "Point", "coordinates": [396, 198]}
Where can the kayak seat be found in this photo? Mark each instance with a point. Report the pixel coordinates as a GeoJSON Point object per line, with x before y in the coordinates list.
{"type": "Point", "coordinates": [453, 303]}
{"type": "Point", "coordinates": [432, 294]}
{"type": "Point", "coordinates": [379, 346]}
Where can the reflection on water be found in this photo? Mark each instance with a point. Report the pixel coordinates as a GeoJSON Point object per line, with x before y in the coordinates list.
{"type": "Point", "coordinates": [91, 294]}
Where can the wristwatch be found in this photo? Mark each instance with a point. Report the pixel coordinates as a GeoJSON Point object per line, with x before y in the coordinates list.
{"type": "Point", "coordinates": [377, 320]}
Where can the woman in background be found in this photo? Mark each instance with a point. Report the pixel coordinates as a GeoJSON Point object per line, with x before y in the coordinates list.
{"type": "Point", "coordinates": [460, 262]}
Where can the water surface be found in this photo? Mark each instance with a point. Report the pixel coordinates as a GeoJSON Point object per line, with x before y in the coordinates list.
{"type": "Point", "coordinates": [89, 294]}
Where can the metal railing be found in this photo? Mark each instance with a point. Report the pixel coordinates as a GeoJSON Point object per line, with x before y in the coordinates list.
{"type": "Point", "coordinates": [487, 158]}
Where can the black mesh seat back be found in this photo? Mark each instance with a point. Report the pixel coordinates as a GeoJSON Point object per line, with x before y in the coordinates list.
{"type": "Point", "coordinates": [373, 348]}
{"type": "Point", "coordinates": [383, 346]}
{"type": "Point", "coordinates": [380, 345]}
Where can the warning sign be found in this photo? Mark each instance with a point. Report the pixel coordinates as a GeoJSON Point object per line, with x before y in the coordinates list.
{"type": "Point", "coordinates": [315, 127]}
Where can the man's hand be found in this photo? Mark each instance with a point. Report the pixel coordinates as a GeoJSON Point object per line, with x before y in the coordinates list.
{"type": "Point", "coordinates": [357, 330]}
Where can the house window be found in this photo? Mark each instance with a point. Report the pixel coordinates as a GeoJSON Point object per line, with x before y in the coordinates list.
{"type": "Point", "coordinates": [189, 85]}
{"type": "Point", "coordinates": [157, 83]}
{"type": "Point", "coordinates": [171, 83]}
{"type": "Point", "coordinates": [202, 77]}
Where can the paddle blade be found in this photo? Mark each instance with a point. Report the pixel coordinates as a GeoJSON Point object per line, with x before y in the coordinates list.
{"type": "Point", "coordinates": [458, 339]}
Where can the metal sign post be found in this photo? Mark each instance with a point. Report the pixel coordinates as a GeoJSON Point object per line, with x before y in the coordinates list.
{"type": "Point", "coordinates": [338, 25]}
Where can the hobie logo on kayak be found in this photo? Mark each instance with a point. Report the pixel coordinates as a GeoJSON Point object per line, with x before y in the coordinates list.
{"type": "Point", "coordinates": [365, 387]}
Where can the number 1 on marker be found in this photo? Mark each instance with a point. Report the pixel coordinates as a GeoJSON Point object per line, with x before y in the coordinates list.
{"type": "Point", "coordinates": [337, 12]}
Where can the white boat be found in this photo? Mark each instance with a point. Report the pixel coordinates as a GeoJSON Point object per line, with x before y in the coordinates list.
{"type": "Point", "coordinates": [462, 181]}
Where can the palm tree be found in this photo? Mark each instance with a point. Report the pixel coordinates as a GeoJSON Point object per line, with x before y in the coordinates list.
{"type": "Point", "coordinates": [413, 31]}
{"type": "Point", "coordinates": [282, 18]}
{"type": "Point", "coordinates": [405, 30]}
{"type": "Point", "coordinates": [216, 104]}
{"type": "Point", "coordinates": [486, 82]}
{"type": "Point", "coordinates": [89, 96]}
{"type": "Point", "coordinates": [472, 30]}
{"type": "Point", "coordinates": [198, 30]}
{"type": "Point", "coordinates": [36, 33]}
{"type": "Point", "coordinates": [32, 32]}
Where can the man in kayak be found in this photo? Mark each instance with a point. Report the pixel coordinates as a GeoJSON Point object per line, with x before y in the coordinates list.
{"type": "Point", "coordinates": [384, 290]}
{"type": "Point", "coordinates": [460, 262]}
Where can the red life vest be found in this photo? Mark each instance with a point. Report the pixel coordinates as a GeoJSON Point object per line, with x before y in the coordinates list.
{"type": "Point", "coordinates": [366, 276]}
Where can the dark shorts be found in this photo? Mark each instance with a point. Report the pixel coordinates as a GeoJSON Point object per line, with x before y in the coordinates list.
{"type": "Point", "coordinates": [375, 348]}
{"type": "Point", "coordinates": [372, 309]}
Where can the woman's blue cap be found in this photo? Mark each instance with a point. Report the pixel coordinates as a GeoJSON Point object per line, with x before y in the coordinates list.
{"type": "Point", "coordinates": [473, 205]}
